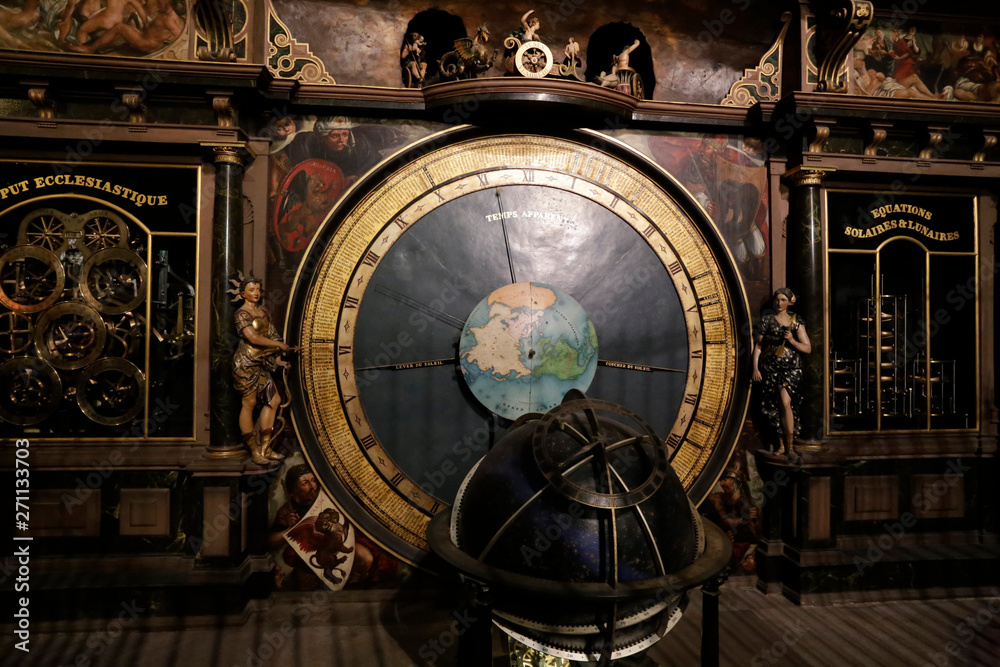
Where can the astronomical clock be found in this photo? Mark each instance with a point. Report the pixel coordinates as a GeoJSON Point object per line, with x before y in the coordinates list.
{"type": "Point", "coordinates": [476, 278]}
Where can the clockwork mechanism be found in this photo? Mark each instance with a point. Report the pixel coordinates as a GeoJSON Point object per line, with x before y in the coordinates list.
{"type": "Point", "coordinates": [104, 229]}
{"type": "Point", "coordinates": [30, 390]}
{"type": "Point", "coordinates": [114, 280]}
{"type": "Point", "coordinates": [46, 228]}
{"type": "Point", "coordinates": [70, 335]}
{"type": "Point", "coordinates": [15, 332]}
{"type": "Point", "coordinates": [31, 278]}
{"type": "Point", "coordinates": [125, 334]}
{"type": "Point", "coordinates": [110, 391]}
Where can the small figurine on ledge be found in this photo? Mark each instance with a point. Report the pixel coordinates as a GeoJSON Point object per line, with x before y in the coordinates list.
{"type": "Point", "coordinates": [777, 365]}
{"type": "Point", "coordinates": [256, 358]}
{"type": "Point", "coordinates": [525, 53]}
{"type": "Point", "coordinates": [468, 59]}
{"type": "Point", "coordinates": [530, 26]}
{"type": "Point", "coordinates": [629, 81]}
{"type": "Point", "coordinates": [569, 66]}
{"type": "Point", "coordinates": [413, 60]}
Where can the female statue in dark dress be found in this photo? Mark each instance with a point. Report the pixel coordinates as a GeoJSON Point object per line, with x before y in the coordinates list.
{"type": "Point", "coordinates": [777, 365]}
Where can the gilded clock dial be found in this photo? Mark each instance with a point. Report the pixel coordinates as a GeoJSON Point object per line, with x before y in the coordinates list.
{"type": "Point", "coordinates": [385, 413]}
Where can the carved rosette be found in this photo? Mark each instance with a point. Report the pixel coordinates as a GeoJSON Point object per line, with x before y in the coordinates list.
{"type": "Point", "coordinates": [291, 59]}
{"type": "Point", "coordinates": [762, 83]}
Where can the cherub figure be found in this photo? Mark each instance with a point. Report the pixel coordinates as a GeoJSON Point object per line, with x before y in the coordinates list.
{"type": "Point", "coordinates": [413, 60]}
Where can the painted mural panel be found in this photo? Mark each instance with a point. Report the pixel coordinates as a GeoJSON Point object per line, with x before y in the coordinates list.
{"type": "Point", "coordinates": [694, 53]}
{"type": "Point", "coordinates": [930, 60]}
{"type": "Point", "coordinates": [314, 160]}
{"type": "Point", "coordinates": [113, 27]}
{"type": "Point", "coordinates": [727, 176]}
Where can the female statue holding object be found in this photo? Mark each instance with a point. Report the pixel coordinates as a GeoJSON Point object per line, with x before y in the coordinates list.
{"type": "Point", "coordinates": [777, 365]}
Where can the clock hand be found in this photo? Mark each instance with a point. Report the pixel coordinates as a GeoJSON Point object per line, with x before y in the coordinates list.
{"type": "Point", "coordinates": [426, 363]}
{"type": "Point", "coordinates": [506, 241]}
{"type": "Point", "coordinates": [422, 307]}
{"type": "Point", "coordinates": [638, 367]}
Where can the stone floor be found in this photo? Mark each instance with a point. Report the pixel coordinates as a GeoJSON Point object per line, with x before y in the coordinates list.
{"type": "Point", "coordinates": [362, 629]}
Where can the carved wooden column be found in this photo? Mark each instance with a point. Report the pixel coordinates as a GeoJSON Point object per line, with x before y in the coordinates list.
{"type": "Point", "coordinates": [227, 261]}
{"type": "Point", "coordinates": [805, 277]}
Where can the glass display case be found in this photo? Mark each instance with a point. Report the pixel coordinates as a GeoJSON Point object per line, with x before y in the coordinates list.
{"type": "Point", "coordinates": [903, 333]}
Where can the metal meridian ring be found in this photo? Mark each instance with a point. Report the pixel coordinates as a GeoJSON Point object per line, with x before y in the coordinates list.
{"type": "Point", "coordinates": [554, 471]}
{"type": "Point", "coordinates": [107, 288]}
{"type": "Point", "coordinates": [537, 51]}
{"type": "Point", "coordinates": [111, 391]}
{"type": "Point", "coordinates": [25, 283]}
{"type": "Point", "coordinates": [70, 335]}
{"type": "Point", "coordinates": [30, 391]}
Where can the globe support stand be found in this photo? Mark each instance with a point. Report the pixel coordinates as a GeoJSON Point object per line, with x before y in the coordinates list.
{"type": "Point", "coordinates": [710, 620]}
{"type": "Point", "coordinates": [475, 645]}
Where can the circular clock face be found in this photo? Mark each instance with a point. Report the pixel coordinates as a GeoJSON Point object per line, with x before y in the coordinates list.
{"type": "Point", "coordinates": [383, 406]}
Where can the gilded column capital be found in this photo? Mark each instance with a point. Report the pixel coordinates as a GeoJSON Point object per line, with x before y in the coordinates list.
{"type": "Point", "coordinates": [807, 175]}
{"type": "Point", "coordinates": [230, 153]}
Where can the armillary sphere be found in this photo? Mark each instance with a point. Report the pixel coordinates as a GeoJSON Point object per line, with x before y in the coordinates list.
{"type": "Point", "coordinates": [104, 229]}
{"type": "Point", "coordinates": [30, 390]}
{"type": "Point", "coordinates": [70, 335]}
{"type": "Point", "coordinates": [582, 434]}
{"type": "Point", "coordinates": [31, 278]}
{"type": "Point", "coordinates": [110, 391]}
{"type": "Point", "coordinates": [114, 280]}
{"type": "Point", "coordinates": [533, 60]}
{"type": "Point", "coordinates": [15, 332]}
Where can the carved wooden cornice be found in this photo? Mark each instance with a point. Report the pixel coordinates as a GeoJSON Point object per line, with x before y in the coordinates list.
{"type": "Point", "coordinates": [885, 108]}
{"type": "Point", "coordinates": [474, 97]}
{"type": "Point", "coordinates": [31, 130]}
{"type": "Point", "coordinates": [840, 24]}
{"type": "Point", "coordinates": [144, 71]}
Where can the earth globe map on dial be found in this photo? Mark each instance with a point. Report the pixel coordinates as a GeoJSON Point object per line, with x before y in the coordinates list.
{"type": "Point", "coordinates": [524, 346]}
